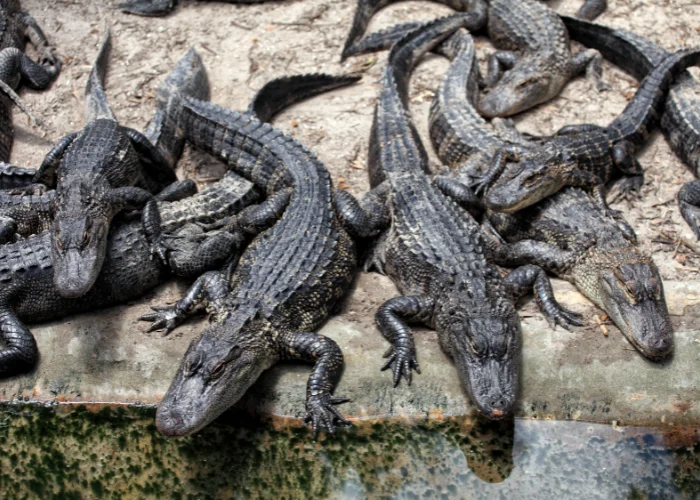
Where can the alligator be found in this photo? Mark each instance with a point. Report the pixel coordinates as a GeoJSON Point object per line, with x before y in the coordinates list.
{"type": "Point", "coordinates": [586, 155]}
{"type": "Point", "coordinates": [299, 265]}
{"type": "Point", "coordinates": [534, 47]}
{"type": "Point", "coordinates": [157, 8]}
{"type": "Point", "coordinates": [97, 172]}
{"type": "Point", "coordinates": [28, 293]}
{"type": "Point", "coordinates": [567, 234]}
{"type": "Point", "coordinates": [16, 26]}
{"type": "Point", "coordinates": [27, 209]}
{"type": "Point", "coordinates": [680, 122]}
{"type": "Point", "coordinates": [434, 251]}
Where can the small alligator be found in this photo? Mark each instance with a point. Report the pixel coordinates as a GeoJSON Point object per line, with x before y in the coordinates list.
{"type": "Point", "coordinates": [99, 171]}
{"type": "Point", "coordinates": [156, 8]}
{"type": "Point", "coordinates": [567, 234]}
{"type": "Point", "coordinates": [534, 47]}
{"type": "Point", "coordinates": [28, 293]}
{"type": "Point", "coordinates": [435, 252]}
{"type": "Point", "coordinates": [299, 265]}
{"type": "Point", "coordinates": [586, 155]}
{"type": "Point", "coordinates": [680, 122]}
{"type": "Point", "coordinates": [16, 26]}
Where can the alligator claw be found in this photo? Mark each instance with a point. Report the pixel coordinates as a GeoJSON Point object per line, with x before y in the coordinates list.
{"type": "Point", "coordinates": [480, 185]}
{"type": "Point", "coordinates": [165, 318]}
{"type": "Point", "coordinates": [322, 414]}
{"type": "Point", "coordinates": [629, 188]}
{"type": "Point", "coordinates": [564, 317]}
{"type": "Point", "coordinates": [403, 360]}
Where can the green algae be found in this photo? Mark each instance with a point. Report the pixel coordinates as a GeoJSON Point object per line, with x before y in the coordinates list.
{"type": "Point", "coordinates": [116, 452]}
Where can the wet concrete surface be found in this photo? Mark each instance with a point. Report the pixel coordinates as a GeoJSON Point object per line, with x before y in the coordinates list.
{"type": "Point", "coordinates": [582, 374]}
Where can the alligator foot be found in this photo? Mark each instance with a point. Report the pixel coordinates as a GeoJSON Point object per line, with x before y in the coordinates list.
{"type": "Point", "coordinates": [403, 359]}
{"type": "Point", "coordinates": [166, 318]}
{"type": "Point", "coordinates": [321, 412]}
{"type": "Point", "coordinates": [629, 188]}
{"type": "Point", "coordinates": [689, 202]}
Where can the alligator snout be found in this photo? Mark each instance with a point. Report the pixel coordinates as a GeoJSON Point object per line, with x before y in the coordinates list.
{"type": "Point", "coordinates": [170, 422]}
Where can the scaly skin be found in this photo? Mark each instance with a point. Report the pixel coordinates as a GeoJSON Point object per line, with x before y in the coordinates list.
{"type": "Point", "coordinates": [434, 253]}
{"type": "Point", "coordinates": [99, 171]}
{"type": "Point", "coordinates": [285, 284]}
{"type": "Point", "coordinates": [157, 8]}
{"type": "Point", "coordinates": [27, 291]}
{"type": "Point", "coordinates": [16, 26]}
{"type": "Point", "coordinates": [570, 236]}
{"type": "Point", "coordinates": [680, 122]}
{"type": "Point", "coordinates": [567, 234]}
{"type": "Point", "coordinates": [587, 155]}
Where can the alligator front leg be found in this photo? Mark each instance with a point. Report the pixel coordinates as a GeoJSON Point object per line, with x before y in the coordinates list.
{"type": "Point", "coordinates": [591, 9]}
{"type": "Point", "coordinates": [47, 170]}
{"type": "Point", "coordinates": [625, 160]}
{"type": "Point", "coordinates": [529, 277]}
{"type": "Point", "coordinates": [544, 255]}
{"type": "Point", "coordinates": [402, 353]}
{"type": "Point", "coordinates": [192, 251]}
{"type": "Point", "coordinates": [591, 62]}
{"type": "Point", "coordinates": [208, 291]}
{"type": "Point", "coordinates": [498, 164]}
{"type": "Point", "coordinates": [328, 363]}
{"type": "Point", "coordinates": [499, 62]}
{"type": "Point", "coordinates": [20, 353]}
{"type": "Point", "coordinates": [38, 39]}
{"type": "Point", "coordinates": [689, 203]}
{"type": "Point", "coordinates": [462, 194]}
{"type": "Point", "coordinates": [257, 218]}
{"type": "Point", "coordinates": [367, 218]}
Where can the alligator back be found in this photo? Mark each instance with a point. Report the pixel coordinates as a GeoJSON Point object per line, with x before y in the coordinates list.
{"type": "Point", "coordinates": [306, 258]}
{"type": "Point", "coordinates": [526, 25]}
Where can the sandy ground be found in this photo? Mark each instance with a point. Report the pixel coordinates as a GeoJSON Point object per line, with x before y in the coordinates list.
{"type": "Point", "coordinates": [245, 46]}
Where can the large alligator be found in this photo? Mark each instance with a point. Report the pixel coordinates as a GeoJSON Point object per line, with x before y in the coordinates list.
{"type": "Point", "coordinates": [534, 51]}
{"type": "Point", "coordinates": [28, 293]}
{"type": "Point", "coordinates": [16, 26]}
{"type": "Point", "coordinates": [680, 122]}
{"type": "Point", "coordinates": [586, 155]}
{"type": "Point", "coordinates": [26, 210]}
{"type": "Point", "coordinates": [435, 253]}
{"type": "Point", "coordinates": [299, 265]}
{"type": "Point", "coordinates": [567, 234]}
{"type": "Point", "coordinates": [98, 172]}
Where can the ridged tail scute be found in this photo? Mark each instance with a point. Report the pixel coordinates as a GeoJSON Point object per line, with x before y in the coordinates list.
{"type": "Point", "coordinates": [643, 112]}
{"type": "Point", "coordinates": [285, 91]}
{"type": "Point", "coordinates": [96, 106]}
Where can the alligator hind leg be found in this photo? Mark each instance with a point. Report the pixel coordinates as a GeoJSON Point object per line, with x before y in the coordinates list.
{"type": "Point", "coordinates": [526, 278]}
{"type": "Point", "coordinates": [689, 203]}
{"type": "Point", "coordinates": [367, 218]}
{"type": "Point", "coordinates": [328, 364]}
{"type": "Point", "coordinates": [148, 7]}
{"type": "Point", "coordinates": [258, 218]}
{"type": "Point", "coordinates": [499, 62]}
{"type": "Point", "coordinates": [591, 62]}
{"type": "Point", "coordinates": [192, 251]}
{"type": "Point", "coordinates": [20, 353]}
{"type": "Point", "coordinates": [392, 319]}
{"type": "Point", "coordinates": [208, 291]}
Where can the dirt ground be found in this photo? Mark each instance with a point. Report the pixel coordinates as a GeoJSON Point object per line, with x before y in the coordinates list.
{"type": "Point", "coordinates": [244, 46]}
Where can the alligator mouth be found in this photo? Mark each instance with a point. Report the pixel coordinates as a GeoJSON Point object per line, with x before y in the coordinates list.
{"type": "Point", "coordinates": [645, 327]}
{"type": "Point", "coordinates": [75, 272]}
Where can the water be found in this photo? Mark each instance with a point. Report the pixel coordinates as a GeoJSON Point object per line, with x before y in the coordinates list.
{"type": "Point", "coordinates": [116, 452]}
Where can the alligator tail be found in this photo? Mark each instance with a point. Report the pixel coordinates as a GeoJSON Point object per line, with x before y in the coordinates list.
{"type": "Point", "coordinates": [96, 106]}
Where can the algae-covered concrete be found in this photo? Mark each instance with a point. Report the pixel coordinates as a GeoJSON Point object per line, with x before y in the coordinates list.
{"type": "Point", "coordinates": [583, 374]}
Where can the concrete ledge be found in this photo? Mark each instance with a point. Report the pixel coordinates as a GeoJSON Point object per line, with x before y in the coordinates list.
{"type": "Point", "coordinates": [583, 375]}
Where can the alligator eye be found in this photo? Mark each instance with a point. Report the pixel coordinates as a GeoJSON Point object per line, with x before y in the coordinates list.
{"type": "Point", "coordinates": [58, 242]}
{"type": "Point", "coordinates": [85, 240]}
{"type": "Point", "coordinates": [234, 354]}
{"type": "Point", "coordinates": [526, 83]}
{"type": "Point", "coordinates": [533, 179]}
{"type": "Point", "coordinates": [218, 370]}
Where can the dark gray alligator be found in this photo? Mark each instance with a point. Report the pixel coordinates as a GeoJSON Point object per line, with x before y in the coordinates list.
{"type": "Point", "coordinates": [534, 51]}
{"type": "Point", "coordinates": [587, 155]}
{"type": "Point", "coordinates": [680, 122]}
{"type": "Point", "coordinates": [28, 293]}
{"type": "Point", "coordinates": [567, 234]}
{"type": "Point", "coordinates": [156, 8]}
{"type": "Point", "coordinates": [299, 265]}
{"type": "Point", "coordinates": [434, 251]}
{"type": "Point", "coordinates": [16, 26]}
{"type": "Point", "coordinates": [98, 172]}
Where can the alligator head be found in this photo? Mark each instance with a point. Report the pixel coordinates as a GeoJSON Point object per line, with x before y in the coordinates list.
{"type": "Point", "coordinates": [535, 177]}
{"type": "Point", "coordinates": [218, 368]}
{"type": "Point", "coordinates": [521, 88]}
{"type": "Point", "coordinates": [79, 239]}
{"type": "Point", "coordinates": [632, 295]}
{"type": "Point", "coordinates": [484, 343]}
